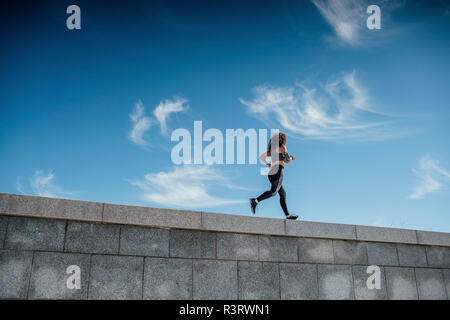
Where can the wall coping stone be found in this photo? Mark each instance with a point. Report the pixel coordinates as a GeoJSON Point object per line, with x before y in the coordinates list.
{"type": "Point", "coordinates": [66, 209]}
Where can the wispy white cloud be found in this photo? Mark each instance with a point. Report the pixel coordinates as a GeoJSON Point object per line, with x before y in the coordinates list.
{"type": "Point", "coordinates": [345, 16]}
{"type": "Point", "coordinates": [338, 110]}
{"type": "Point", "coordinates": [186, 186]}
{"type": "Point", "coordinates": [348, 17]}
{"type": "Point", "coordinates": [432, 177]}
{"type": "Point", "coordinates": [167, 107]}
{"type": "Point", "coordinates": [141, 124]}
{"type": "Point", "coordinates": [19, 187]}
{"type": "Point", "coordinates": [43, 184]}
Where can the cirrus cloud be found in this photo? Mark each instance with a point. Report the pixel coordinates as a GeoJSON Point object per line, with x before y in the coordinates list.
{"type": "Point", "coordinates": [348, 17]}
{"type": "Point", "coordinates": [167, 107]}
{"type": "Point", "coordinates": [432, 177]}
{"type": "Point", "coordinates": [338, 110]}
{"type": "Point", "coordinates": [43, 184]}
{"type": "Point", "coordinates": [184, 186]}
{"type": "Point", "coordinates": [142, 123]}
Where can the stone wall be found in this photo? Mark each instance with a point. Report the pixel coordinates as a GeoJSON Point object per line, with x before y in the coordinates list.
{"type": "Point", "coordinates": [128, 252]}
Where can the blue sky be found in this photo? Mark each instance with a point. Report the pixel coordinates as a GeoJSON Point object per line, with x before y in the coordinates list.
{"type": "Point", "coordinates": [88, 114]}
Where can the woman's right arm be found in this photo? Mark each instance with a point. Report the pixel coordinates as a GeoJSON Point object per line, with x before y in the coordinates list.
{"type": "Point", "coordinates": [264, 156]}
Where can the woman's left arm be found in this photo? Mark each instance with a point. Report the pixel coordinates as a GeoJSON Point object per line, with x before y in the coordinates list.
{"type": "Point", "coordinates": [290, 156]}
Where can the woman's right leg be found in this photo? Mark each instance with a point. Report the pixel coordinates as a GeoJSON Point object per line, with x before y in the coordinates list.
{"type": "Point", "coordinates": [276, 181]}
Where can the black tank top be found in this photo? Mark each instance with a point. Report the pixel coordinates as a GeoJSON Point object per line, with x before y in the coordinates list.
{"type": "Point", "coordinates": [281, 156]}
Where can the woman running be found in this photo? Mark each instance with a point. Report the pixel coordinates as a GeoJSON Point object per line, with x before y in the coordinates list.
{"type": "Point", "coordinates": [278, 153]}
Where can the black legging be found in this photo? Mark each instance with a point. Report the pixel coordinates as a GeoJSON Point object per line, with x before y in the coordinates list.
{"type": "Point", "coordinates": [276, 178]}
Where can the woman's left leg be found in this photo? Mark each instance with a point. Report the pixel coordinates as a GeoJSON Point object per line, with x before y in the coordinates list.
{"type": "Point", "coordinates": [282, 194]}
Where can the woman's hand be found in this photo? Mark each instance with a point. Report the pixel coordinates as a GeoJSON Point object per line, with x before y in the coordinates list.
{"type": "Point", "coordinates": [269, 165]}
{"type": "Point", "coordinates": [292, 157]}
